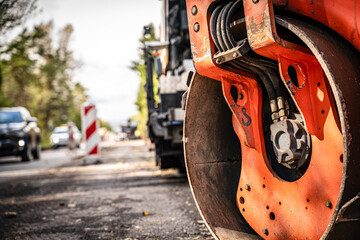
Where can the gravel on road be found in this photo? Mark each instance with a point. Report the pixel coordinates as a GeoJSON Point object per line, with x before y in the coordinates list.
{"type": "Point", "coordinates": [124, 197]}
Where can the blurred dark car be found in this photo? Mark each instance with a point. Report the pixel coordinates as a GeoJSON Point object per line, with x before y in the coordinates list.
{"type": "Point", "coordinates": [19, 134]}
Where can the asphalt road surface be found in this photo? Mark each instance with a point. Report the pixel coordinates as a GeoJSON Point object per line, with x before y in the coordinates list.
{"type": "Point", "coordinates": [124, 197]}
{"type": "Point", "coordinates": [49, 159]}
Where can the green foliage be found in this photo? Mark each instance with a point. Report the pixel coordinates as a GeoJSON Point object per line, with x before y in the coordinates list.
{"type": "Point", "coordinates": [37, 74]}
{"type": "Point", "coordinates": [141, 102]}
{"type": "Point", "coordinates": [104, 124]}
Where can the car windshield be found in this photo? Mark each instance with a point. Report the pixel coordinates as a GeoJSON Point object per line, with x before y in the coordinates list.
{"type": "Point", "coordinates": [60, 130]}
{"type": "Point", "coordinates": [10, 117]}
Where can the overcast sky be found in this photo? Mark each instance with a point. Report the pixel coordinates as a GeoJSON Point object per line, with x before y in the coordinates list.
{"type": "Point", "coordinates": [105, 39]}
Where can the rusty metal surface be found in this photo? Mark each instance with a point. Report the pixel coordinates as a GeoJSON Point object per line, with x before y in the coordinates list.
{"type": "Point", "coordinates": [273, 206]}
{"type": "Point", "coordinates": [202, 47]}
{"type": "Point", "coordinates": [341, 16]}
{"type": "Point", "coordinates": [246, 114]}
{"type": "Point", "coordinates": [260, 23]}
{"type": "Point", "coordinates": [262, 34]}
{"type": "Point", "coordinates": [213, 159]}
{"type": "Point", "coordinates": [344, 82]}
{"type": "Point", "coordinates": [340, 62]}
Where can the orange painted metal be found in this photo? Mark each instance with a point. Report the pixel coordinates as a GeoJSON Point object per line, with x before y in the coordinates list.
{"type": "Point", "coordinates": [290, 210]}
{"type": "Point", "coordinates": [287, 210]}
{"type": "Point", "coordinates": [341, 16]}
{"type": "Point", "coordinates": [203, 51]}
{"type": "Point", "coordinates": [311, 94]}
{"type": "Point", "coordinates": [262, 35]}
{"type": "Point", "coordinates": [246, 110]}
{"type": "Point", "coordinates": [264, 40]}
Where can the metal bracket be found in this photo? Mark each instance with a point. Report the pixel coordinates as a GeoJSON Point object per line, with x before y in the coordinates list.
{"type": "Point", "coordinates": [236, 52]}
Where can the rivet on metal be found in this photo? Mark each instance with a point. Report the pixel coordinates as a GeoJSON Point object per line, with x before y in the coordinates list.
{"type": "Point", "coordinates": [196, 27]}
{"type": "Point", "coordinates": [235, 55]}
{"type": "Point", "coordinates": [255, 1]}
{"type": "Point", "coordinates": [241, 96]}
{"type": "Point", "coordinates": [265, 231]}
{"type": "Point", "coordinates": [313, 11]}
{"type": "Point", "coordinates": [247, 187]}
{"type": "Point", "coordinates": [194, 10]}
{"type": "Point", "coordinates": [328, 204]}
{"type": "Point", "coordinates": [218, 61]}
{"type": "Point", "coordinates": [311, 2]}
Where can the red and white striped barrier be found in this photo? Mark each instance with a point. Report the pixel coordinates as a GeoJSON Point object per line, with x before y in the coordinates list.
{"type": "Point", "coordinates": [90, 128]}
{"type": "Point", "coordinates": [71, 139]}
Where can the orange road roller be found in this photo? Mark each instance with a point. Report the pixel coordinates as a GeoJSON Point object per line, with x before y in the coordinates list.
{"type": "Point", "coordinates": [272, 118]}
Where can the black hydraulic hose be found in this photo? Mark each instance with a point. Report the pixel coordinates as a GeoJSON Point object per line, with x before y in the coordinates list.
{"type": "Point", "coordinates": [276, 82]}
{"type": "Point", "coordinates": [223, 27]}
{"type": "Point", "coordinates": [268, 64]}
{"type": "Point", "coordinates": [213, 31]}
{"type": "Point", "coordinates": [218, 31]}
{"type": "Point", "coordinates": [227, 44]}
{"type": "Point", "coordinates": [223, 40]}
{"type": "Point", "coordinates": [213, 20]}
{"type": "Point", "coordinates": [227, 22]}
{"type": "Point", "coordinates": [222, 31]}
{"type": "Point", "coordinates": [254, 62]}
{"type": "Point", "coordinates": [262, 64]}
{"type": "Point", "coordinates": [268, 71]}
{"type": "Point", "coordinates": [231, 37]}
{"type": "Point", "coordinates": [262, 75]}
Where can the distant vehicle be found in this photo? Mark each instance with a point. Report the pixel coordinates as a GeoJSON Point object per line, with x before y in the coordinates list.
{"type": "Point", "coordinates": [60, 136]}
{"type": "Point", "coordinates": [19, 134]}
{"type": "Point", "coordinates": [129, 129]}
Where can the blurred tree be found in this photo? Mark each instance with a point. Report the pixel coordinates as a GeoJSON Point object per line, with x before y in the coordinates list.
{"type": "Point", "coordinates": [141, 102]}
{"type": "Point", "coordinates": [18, 68]}
{"type": "Point", "coordinates": [14, 12]}
{"type": "Point", "coordinates": [104, 124]}
{"type": "Point", "coordinates": [38, 75]}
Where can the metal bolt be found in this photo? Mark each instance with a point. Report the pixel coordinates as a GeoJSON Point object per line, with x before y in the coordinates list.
{"type": "Point", "coordinates": [241, 96]}
{"type": "Point", "coordinates": [196, 27]}
{"type": "Point", "coordinates": [235, 55]}
{"type": "Point", "coordinates": [247, 187]}
{"type": "Point", "coordinates": [194, 10]}
{"type": "Point", "coordinates": [255, 1]}
{"type": "Point", "coordinates": [328, 204]}
{"type": "Point", "coordinates": [313, 11]}
{"type": "Point", "coordinates": [265, 231]}
{"type": "Point", "coordinates": [218, 61]}
{"type": "Point", "coordinates": [311, 2]}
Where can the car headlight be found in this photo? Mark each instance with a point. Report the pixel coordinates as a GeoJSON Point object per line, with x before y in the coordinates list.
{"type": "Point", "coordinates": [21, 143]}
